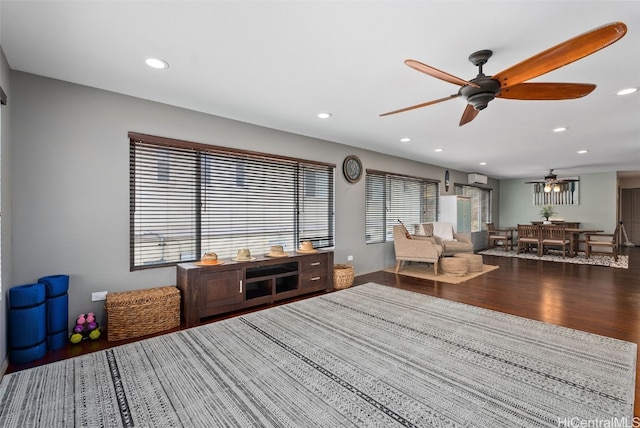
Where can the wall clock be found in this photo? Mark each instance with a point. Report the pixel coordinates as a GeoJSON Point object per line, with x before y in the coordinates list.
{"type": "Point", "coordinates": [352, 169]}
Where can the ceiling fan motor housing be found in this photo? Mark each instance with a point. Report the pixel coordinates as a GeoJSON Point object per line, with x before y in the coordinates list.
{"type": "Point", "coordinates": [480, 97]}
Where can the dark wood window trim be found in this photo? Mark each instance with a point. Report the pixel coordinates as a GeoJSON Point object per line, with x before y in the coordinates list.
{"type": "Point", "coordinates": [189, 198]}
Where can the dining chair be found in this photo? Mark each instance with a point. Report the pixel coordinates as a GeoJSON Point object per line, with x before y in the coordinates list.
{"type": "Point", "coordinates": [529, 237]}
{"type": "Point", "coordinates": [499, 237]}
{"type": "Point", "coordinates": [555, 236]}
{"type": "Point", "coordinates": [602, 243]}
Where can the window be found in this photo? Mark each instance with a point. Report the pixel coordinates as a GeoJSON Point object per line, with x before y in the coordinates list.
{"type": "Point", "coordinates": [188, 198]}
{"type": "Point", "coordinates": [480, 205]}
{"type": "Point", "coordinates": [392, 197]}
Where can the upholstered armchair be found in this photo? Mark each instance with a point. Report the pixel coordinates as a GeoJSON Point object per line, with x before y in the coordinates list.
{"type": "Point", "coordinates": [415, 248]}
{"type": "Point", "coordinates": [443, 234]}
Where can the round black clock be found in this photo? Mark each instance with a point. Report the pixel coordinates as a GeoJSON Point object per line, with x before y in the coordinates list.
{"type": "Point", "coordinates": [352, 169]}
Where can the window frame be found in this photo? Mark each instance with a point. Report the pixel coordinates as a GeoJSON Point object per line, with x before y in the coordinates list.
{"type": "Point", "coordinates": [380, 217]}
{"type": "Point", "coordinates": [198, 169]}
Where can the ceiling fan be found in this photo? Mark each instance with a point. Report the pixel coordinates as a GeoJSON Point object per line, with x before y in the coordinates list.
{"type": "Point", "coordinates": [479, 91]}
{"type": "Point", "coordinates": [552, 182]}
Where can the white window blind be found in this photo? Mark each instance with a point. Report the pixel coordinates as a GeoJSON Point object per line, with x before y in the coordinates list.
{"type": "Point", "coordinates": [189, 198]}
{"type": "Point", "coordinates": [392, 197]}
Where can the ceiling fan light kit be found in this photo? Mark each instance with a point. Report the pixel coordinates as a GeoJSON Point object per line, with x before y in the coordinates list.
{"type": "Point", "coordinates": [557, 191]}
{"type": "Point", "coordinates": [510, 83]}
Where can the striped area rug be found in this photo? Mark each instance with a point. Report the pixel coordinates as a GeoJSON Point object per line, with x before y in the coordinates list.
{"type": "Point", "coordinates": [366, 356]}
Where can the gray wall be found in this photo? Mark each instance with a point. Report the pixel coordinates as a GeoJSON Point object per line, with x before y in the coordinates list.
{"type": "Point", "coordinates": [597, 208]}
{"type": "Point", "coordinates": [65, 189]}
{"type": "Point", "coordinates": [5, 207]}
{"type": "Point", "coordinates": [70, 176]}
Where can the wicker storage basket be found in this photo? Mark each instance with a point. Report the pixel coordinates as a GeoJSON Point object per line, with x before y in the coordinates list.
{"type": "Point", "coordinates": [342, 276]}
{"type": "Point", "coordinates": [141, 312]}
{"type": "Point", "coordinates": [455, 266]}
{"type": "Point", "coordinates": [474, 261]}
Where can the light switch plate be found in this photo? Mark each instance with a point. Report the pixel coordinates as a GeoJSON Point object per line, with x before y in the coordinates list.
{"type": "Point", "coordinates": [98, 295]}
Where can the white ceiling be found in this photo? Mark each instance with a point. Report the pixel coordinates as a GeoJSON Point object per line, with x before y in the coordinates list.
{"type": "Point", "coordinates": [279, 63]}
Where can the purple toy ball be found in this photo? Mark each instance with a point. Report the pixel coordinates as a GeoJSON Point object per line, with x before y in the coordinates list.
{"type": "Point", "coordinates": [92, 326]}
{"type": "Point", "coordinates": [78, 329]}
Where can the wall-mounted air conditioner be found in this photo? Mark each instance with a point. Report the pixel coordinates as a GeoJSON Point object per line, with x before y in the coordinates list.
{"type": "Point", "coordinates": [476, 179]}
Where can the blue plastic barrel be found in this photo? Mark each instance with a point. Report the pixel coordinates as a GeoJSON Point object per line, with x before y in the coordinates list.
{"type": "Point", "coordinates": [57, 304]}
{"type": "Point", "coordinates": [27, 323]}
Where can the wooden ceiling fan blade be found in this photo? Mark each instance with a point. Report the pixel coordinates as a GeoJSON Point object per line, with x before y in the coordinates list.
{"type": "Point", "coordinates": [562, 54]}
{"type": "Point", "coordinates": [546, 91]}
{"type": "Point", "coordinates": [568, 180]}
{"type": "Point", "coordinates": [438, 74]}
{"type": "Point", "coordinates": [468, 115]}
{"type": "Point", "coordinates": [428, 103]}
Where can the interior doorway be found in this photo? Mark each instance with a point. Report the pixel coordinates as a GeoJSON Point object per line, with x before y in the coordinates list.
{"type": "Point", "coordinates": [630, 214]}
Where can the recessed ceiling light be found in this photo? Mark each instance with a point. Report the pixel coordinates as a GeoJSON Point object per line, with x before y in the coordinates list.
{"type": "Point", "coordinates": [405, 140]}
{"type": "Point", "coordinates": [627, 91]}
{"type": "Point", "coordinates": [439, 150]}
{"type": "Point", "coordinates": [583, 151]}
{"type": "Point", "coordinates": [483, 163]}
{"type": "Point", "coordinates": [324, 115]}
{"type": "Point", "coordinates": [156, 63]}
{"type": "Point", "coordinates": [560, 129]}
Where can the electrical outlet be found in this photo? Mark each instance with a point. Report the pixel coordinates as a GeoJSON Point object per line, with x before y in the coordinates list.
{"type": "Point", "coordinates": [349, 258]}
{"type": "Point", "coordinates": [98, 295]}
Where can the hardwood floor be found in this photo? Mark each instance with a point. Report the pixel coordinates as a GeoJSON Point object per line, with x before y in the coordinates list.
{"type": "Point", "coordinates": [596, 299]}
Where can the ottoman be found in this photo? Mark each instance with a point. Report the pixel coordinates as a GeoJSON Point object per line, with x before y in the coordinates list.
{"type": "Point", "coordinates": [455, 266]}
{"type": "Point", "coordinates": [474, 261]}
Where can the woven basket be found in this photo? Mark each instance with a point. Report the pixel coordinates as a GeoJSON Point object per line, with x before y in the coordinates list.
{"type": "Point", "coordinates": [342, 276]}
{"type": "Point", "coordinates": [455, 266]}
{"type": "Point", "coordinates": [142, 312]}
{"type": "Point", "coordinates": [474, 261]}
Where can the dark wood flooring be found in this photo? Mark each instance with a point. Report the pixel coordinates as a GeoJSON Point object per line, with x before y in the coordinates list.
{"type": "Point", "coordinates": [596, 299]}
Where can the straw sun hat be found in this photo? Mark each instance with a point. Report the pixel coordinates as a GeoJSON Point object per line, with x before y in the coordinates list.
{"type": "Point", "coordinates": [209, 259]}
{"type": "Point", "coordinates": [276, 251]}
{"type": "Point", "coordinates": [306, 247]}
{"type": "Point", "coordinates": [244, 255]}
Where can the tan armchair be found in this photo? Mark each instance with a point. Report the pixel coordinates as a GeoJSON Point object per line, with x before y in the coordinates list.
{"type": "Point", "coordinates": [602, 243]}
{"type": "Point", "coordinates": [416, 249]}
{"type": "Point", "coordinates": [443, 234]}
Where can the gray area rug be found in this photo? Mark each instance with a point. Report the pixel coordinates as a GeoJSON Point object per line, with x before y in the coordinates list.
{"type": "Point", "coordinates": [556, 256]}
{"type": "Point", "coordinates": [367, 356]}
